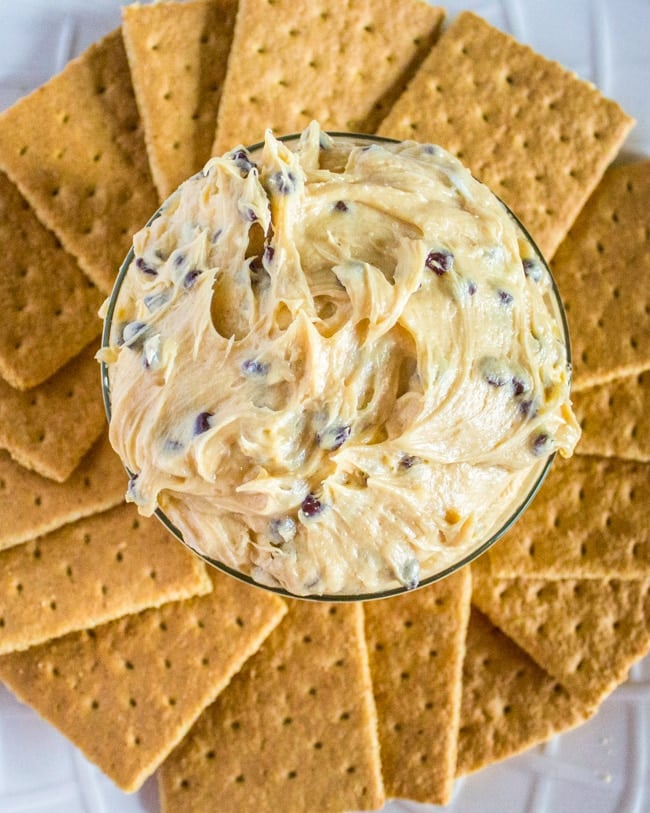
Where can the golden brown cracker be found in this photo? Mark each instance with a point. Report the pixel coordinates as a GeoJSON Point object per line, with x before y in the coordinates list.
{"type": "Point", "coordinates": [75, 149]}
{"type": "Point", "coordinates": [49, 428]}
{"type": "Point", "coordinates": [586, 633]}
{"type": "Point", "coordinates": [591, 519]}
{"type": "Point", "coordinates": [509, 703]}
{"type": "Point", "coordinates": [49, 305]}
{"type": "Point", "coordinates": [528, 128]}
{"type": "Point", "coordinates": [90, 572]}
{"type": "Point", "coordinates": [126, 692]}
{"type": "Point", "coordinates": [343, 64]}
{"type": "Point", "coordinates": [603, 272]}
{"type": "Point", "coordinates": [31, 505]}
{"type": "Point", "coordinates": [294, 731]}
{"type": "Point", "coordinates": [416, 645]}
{"type": "Point", "coordinates": [613, 418]}
{"type": "Point", "coordinates": [178, 54]}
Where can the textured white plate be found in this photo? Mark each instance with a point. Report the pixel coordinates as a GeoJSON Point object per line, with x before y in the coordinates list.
{"type": "Point", "coordinates": [602, 767]}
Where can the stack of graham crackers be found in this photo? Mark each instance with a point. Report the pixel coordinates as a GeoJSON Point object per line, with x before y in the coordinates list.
{"type": "Point", "coordinates": [116, 634]}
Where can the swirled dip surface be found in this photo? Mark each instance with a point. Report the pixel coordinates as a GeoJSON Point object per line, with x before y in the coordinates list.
{"type": "Point", "coordinates": [336, 369]}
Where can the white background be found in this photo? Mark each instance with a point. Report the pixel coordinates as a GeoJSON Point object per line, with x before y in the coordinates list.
{"type": "Point", "coordinates": [602, 767]}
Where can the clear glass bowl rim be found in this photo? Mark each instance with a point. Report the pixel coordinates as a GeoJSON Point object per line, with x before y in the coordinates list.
{"type": "Point", "coordinates": [364, 139]}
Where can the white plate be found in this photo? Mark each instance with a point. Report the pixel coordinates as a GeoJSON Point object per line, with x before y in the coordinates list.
{"type": "Point", "coordinates": [601, 767]}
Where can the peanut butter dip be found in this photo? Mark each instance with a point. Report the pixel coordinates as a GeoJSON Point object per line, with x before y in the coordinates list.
{"type": "Point", "coordinates": [336, 368]}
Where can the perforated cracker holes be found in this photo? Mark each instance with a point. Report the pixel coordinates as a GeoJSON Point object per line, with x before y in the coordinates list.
{"type": "Point", "coordinates": [531, 130]}
{"type": "Point", "coordinates": [586, 633]}
{"type": "Point", "coordinates": [141, 681]}
{"type": "Point", "coordinates": [295, 727]}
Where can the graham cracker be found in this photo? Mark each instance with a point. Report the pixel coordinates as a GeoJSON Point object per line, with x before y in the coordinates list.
{"type": "Point", "coordinates": [49, 428]}
{"type": "Point", "coordinates": [613, 418]}
{"type": "Point", "coordinates": [537, 135]}
{"type": "Point", "coordinates": [178, 54]}
{"type": "Point", "coordinates": [591, 519]}
{"type": "Point", "coordinates": [343, 64]}
{"type": "Point", "coordinates": [416, 645]}
{"type": "Point", "coordinates": [31, 505]}
{"type": "Point", "coordinates": [509, 703]}
{"type": "Point", "coordinates": [126, 692]}
{"type": "Point", "coordinates": [75, 149]}
{"type": "Point", "coordinates": [50, 307]}
{"type": "Point", "coordinates": [294, 731]}
{"type": "Point", "coordinates": [586, 633]}
{"type": "Point", "coordinates": [603, 272]}
{"type": "Point", "coordinates": [90, 572]}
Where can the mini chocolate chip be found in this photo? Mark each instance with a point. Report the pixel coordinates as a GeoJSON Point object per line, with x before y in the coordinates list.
{"type": "Point", "coordinates": [249, 214]}
{"type": "Point", "coordinates": [254, 367]}
{"type": "Point", "coordinates": [133, 334]}
{"type": "Point", "coordinates": [408, 574]}
{"type": "Point", "coordinates": [154, 301]}
{"type": "Point", "coordinates": [243, 162]}
{"type": "Point", "coordinates": [269, 253]}
{"type": "Point", "coordinates": [471, 288]}
{"type": "Point", "coordinates": [217, 234]}
{"type": "Point", "coordinates": [282, 529]}
{"type": "Point", "coordinates": [532, 269]}
{"type": "Point", "coordinates": [333, 437]}
{"type": "Point", "coordinates": [496, 379]}
{"type": "Point", "coordinates": [496, 372]}
{"type": "Point", "coordinates": [439, 262]}
{"type": "Point", "coordinates": [429, 149]}
{"type": "Point", "coordinates": [202, 422]}
{"type": "Point", "coordinates": [311, 506]}
{"type": "Point", "coordinates": [407, 461]}
{"type": "Point", "coordinates": [524, 407]}
{"type": "Point", "coordinates": [260, 277]}
{"type": "Point", "coordinates": [540, 443]}
{"type": "Point", "coordinates": [284, 184]}
{"type": "Point", "coordinates": [143, 266]}
{"type": "Point", "coordinates": [341, 206]}
{"type": "Point", "coordinates": [179, 259]}
{"type": "Point", "coordinates": [505, 297]}
{"type": "Point", "coordinates": [518, 386]}
{"type": "Point", "coordinates": [172, 445]}
{"type": "Point", "coordinates": [131, 488]}
{"type": "Point", "coordinates": [190, 277]}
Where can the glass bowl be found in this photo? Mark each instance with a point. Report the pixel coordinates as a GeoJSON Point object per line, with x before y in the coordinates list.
{"type": "Point", "coordinates": [537, 474]}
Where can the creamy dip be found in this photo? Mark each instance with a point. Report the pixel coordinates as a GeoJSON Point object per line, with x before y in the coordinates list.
{"type": "Point", "coordinates": [338, 368]}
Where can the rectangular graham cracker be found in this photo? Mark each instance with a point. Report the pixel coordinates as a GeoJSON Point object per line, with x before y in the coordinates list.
{"type": "Point", "coordinates": [90, 572]}
{"type": "Point", "coordinates": [294, 731]}
{"type": "Point", "coordinates": [509, 703]}
{"type": "Point", "coordinates": [591, 519]}
{"type": "Point", "coordinates": [75, 149]}
{"type": "Point", "coordinates": [31, 505]}
{"type": "Point", "coordinates": [126, 692]}
{"type": "Point", "coordinates": [50, 307]}
{"type": "Point", "coordinates": [603, 272]}
{"type": "Point", "coordinates": [416, 645]}
{"type": "Point", "coordinates": [586, 633]}
{"type": "Point", "coordinates": [178, 53]}
{"type": "Point", "coordinates": [343, 64]}
{"type": "Point", "coordinates": [614, 418]}
{"type": "Point", "coordinates": [537, 135]}
{"type": "Point", "coordinates": [49, 428]}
